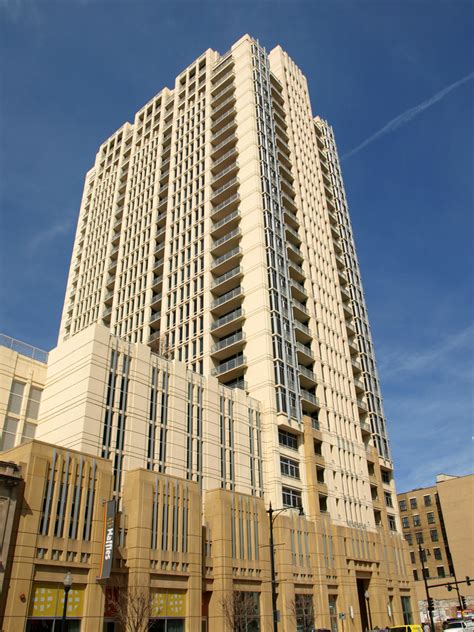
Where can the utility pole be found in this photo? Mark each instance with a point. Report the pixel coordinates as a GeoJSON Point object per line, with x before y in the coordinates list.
{"type": "Point", "coordinates": [428, 599]}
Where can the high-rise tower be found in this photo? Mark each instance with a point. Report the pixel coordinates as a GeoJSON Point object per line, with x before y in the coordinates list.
{"type": "Point", "coordinates": [215, 356]}
{"type": "Point", "coordinates": [216, 228]}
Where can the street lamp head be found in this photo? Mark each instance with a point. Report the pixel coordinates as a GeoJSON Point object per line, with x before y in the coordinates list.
{"type": "Point", "coordinates": [67, 581]}
{"type": "Point", "coordinates": [366, 594]}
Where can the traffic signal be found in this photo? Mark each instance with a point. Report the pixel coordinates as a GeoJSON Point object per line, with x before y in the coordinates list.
{"type": "Point", "coordinates": [468, 580]}
{"type": "Point", "coordinates": [431, 604]}
{"type": "Point", "coordinates": [450, 587]}
{"type": "Point", "coordinates": [463, 603]}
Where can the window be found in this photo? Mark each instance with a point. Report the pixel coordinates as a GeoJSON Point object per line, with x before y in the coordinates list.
{"type": "Point", "coordinates": [392, 525]}
{"type": "Point", "coordinates": [406, 609]}
{"type": "Point", "coordinates": [34, 400]}
{"type": "Point", "coordinates": [413, 503]}
{"type": "Point", "coordinates": [304, 612]}
{"type": "Point", "coordinates": [430, 517]}
{"type": "Point", "coordinates": [427, 500]}
{"type": "Point", "coordinates": [323, 503]}
{"type": "Point", "coordinates": [385, 477]}
{"type": "Point", "coordinates": [434, 535]}
{"type": "Point", "coordinates": [415, 575]}
{"type": "Point", "coordinates": [287, 439]}
{"type": "Point", "coordinates": [426, 573]}
{"type": "Point", "coordinates": [9, 433]}
{"type": "Point", "coordinates": [409, 538]}
{"type": "Point", "coordinates": [405, 522]}
{"type": "Point", "coordinates": [419, 537]}
{"type": "Point", "coordinates": [403, 505]}
{"type": "Point", "coordinates": [16, 396]}
{"type": "Point", "coordinates": [291, 497]}
{"type": "Point", "coordinates": [416, 521]}
{"type": "Point", "coordinates": [441, 572]}
{"type": "Point", "coordinates": [29, 431]}
{"type": "Point", "coordinates": [318, 448]}
{"type": "Point", "coordinates": [437, 554]}
{"type": "Point", "coordinates": [388, 499]}
{"type": "Point", "coordinates": [289, 467]}
{"type": "Point", "coordinates": [412, 557]}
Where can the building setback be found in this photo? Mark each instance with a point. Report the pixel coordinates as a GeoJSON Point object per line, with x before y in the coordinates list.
{"type": "Point", "coordinates": [215, 332]}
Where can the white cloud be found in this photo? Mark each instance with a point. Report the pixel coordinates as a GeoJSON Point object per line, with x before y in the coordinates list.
{"type": "Point", "coordinates": [408, 115]}
{"type": "Point", "coordinates": [42, 238]}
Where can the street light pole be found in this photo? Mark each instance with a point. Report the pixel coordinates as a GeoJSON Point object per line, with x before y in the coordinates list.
{"type": "Point", "coordinates": [67, 583]}
{"type": "Point", "coordinates": [430, 611]}
{"type": "Point", "coordinates": [272, 514]}
{"type": "Point", "coordinates": [272, 568]}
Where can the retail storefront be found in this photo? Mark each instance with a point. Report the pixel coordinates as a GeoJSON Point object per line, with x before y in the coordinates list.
{"type": "Point", "coordinates": [47, 605]}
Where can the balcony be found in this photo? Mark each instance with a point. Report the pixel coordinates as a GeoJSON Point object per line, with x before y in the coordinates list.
{"type": "Point", "coordinates": [356, 366]}
{"type": "Point", "coordinates": [155, 299]}
{"type": "Point", "coordinates": [223, 243]}
{"type": "Point", "coordinates": [365, 427]}
{"type": "Point", "coordinates": [220, 178]}
{"type": "Point", "coordinates": [222, 192]}
{"type": "Point", "coordinates": [219, 105]}
{"type": "Point", "coordinates": [362, 406]}
{"type": "Point", "coordinates": [307, 376]}
{"type": "Point", "coordinates": [283, 158]}
{"type": "Point", "coordinates": [227, 261]}
{"type": "Point", "coordinates": [291, 218]}
{"type": "Point", "coordinates": [299, 310]}
{"type": "Point", "coordinates": [286, 173]}
{"type": "Point", "coordinates": [225, 224]}
{"type": "Point", "coordinates": [220, 87]}
{"type": "Point", "coordinates": [298, 290]}
{"type": "Point", "coordinates": [309, 400]}
{"type": "Point", "coordinates": [220, 149]}
{"type": "Point", "coordinates": [305, 354]}
{"type": "Point", "coordinates": [158, 265]}
{"type": "Point", "coordinates": [294, 252]}
{"type": "Point", "coordinates": [350, 326]}
{"type": "Point", "coordinates": [353, 346]}
{"type": "Point", "coordinates": [292, 235]}
{"type": "Point", "coordinates": [218, 136]}
{"type": "Point", "coordinates": [224, 160]}
{"type": "Point", "coordinates": [160, 235]}
{"type": "Point", "coordinates": [160, 248]}
{"type": "Point", "coordinates": [107, 312]}
{"type": "Point", "coordinates": [303, 333]}
{"type": "Point", "coordinates": [157, 282]}
{"type": "Point", "coordinates": [231, 368]}
{"type": "Point", "coordinates": [229, 345]}
{"type": "Point", "coordinates": [228, 323]}
{"type": "Point", "coordinates": [155, 320]}
{"type": "Point", "coordinates": [346, 296]}
{"type": "Point", "coordinates": [109, 297]}
{"type": "Point", "coordinates": [359, 386]}
{"type": "Point", "coordinates": [296, 271]}
{"type": "Point", "coordinates": [224, 207]}
{"type": "Point", "coordinates": [222, 120]}
{"type": "Point", "coordinates": [227, 301]}
{"type": "Point", "coordinates": [228, 280]}
{"type": "Point", "coordinates": [112, 267]}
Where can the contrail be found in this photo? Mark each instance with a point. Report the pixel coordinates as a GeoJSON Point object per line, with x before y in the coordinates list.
{"type": "Point", "coordinates": [407, 116]}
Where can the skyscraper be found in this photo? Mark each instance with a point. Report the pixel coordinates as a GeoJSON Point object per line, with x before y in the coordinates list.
{"type": "Point", "coordinates": [215, 230]}
{"type": "Point", "coordinates": [215, 227]}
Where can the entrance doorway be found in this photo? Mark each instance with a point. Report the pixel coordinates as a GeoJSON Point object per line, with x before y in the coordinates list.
{"type": "Point", "coordinates": [364, 604]}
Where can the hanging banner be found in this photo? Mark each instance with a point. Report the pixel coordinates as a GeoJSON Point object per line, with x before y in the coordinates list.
{"type": "Point", "coordinates": [108, 542]}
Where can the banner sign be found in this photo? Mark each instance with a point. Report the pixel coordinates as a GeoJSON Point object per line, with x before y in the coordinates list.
{"type": "Point", "coordinates": [109, 537]}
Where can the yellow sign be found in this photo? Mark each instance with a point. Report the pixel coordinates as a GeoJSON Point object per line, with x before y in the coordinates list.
{"type": "Point", "coordinates": [168, 604]}
{"type": "Point", "coordinates": [47, 600]}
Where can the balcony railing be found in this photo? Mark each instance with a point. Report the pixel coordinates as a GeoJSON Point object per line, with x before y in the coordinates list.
{"type": "Point", "coordinates": [309, 397]}
{"type": "Point", "coordinates": [228, 318]}
{"type": "Point", "coordinates": [225, 238]}
{"type": "Point", "coordinates": [222, 173]}
{"type": "Point", "coordinates": [225, 203]}
{"type": "Point", "coordinates": [304, 349]}
{"type": "Point", "coordinates": [224, 157]}
{"type": "Point", "coordinates": [226, 276]}
{"type": "Point", "coordinates": [226, 220]}
{"type": "Point", "coordinates": [227, 297]}
{"type": "Point", "coordinates": [229, 341]}
{"type": "Point", "coordinates": [307, 373]}
{"type": "Point", "coordinates": [229, 365]}
{"type": "Point", "coordinates": [224, 187]}
{"type": "Point", "coordinates": [228, 255]}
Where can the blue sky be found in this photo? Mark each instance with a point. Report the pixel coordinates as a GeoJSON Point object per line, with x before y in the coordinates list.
{"type": "Point", "coordinates": [395, 81]}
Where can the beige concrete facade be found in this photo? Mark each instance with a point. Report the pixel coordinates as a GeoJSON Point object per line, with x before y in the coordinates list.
{"type": "Point", "coordinates": [215, 336]}
{"type": "Point", "coordinates": [164, 547]}
{"type": "Point", "coordinates": [441, 519]}
{"type": "Point", "coordinates": [22, 378]}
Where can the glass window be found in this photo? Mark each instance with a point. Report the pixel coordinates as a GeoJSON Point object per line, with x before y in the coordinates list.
{"type": "Point", "coordinates": [415, 575]}
{"type": "Point", "coordinates": [289, 467]}
{"type": "Point", "coordinates": [434, 535]}
{"type": "Point", "coordinates": [392, 525]}
{"type": "Point", "coordinates": [287, 439]}
{"type": "Point", "coordinates": [388, 499]}
{"type": "Point", "coordinates": [416, 521]}
{"type": "Point", "coordinates": [34, 400]}
{"type": "Point", "coordinates": [430, 517]}
{"type": "Point", "coordinates": [403, 505]}
{"type": "Point", "coordinates": [16, 396]}
{"type": "Point", "coordinates": [291, 497]}
{"type": "Point", "coordinates": [406, 609]}
{"type": "Point", "coordinates": [426, 573]}
{"type": "Point", "coordinates": [405, 522]}
{"type": "Point", "coordinates": [441, 572]}
{"type": "Point", "coordinates": [304, 612]}
{"type": "Point", "coordinates": [409, 538]}
{"type": "Point", "coordinates": [9, 433]}
{"type": "Point", "coordinates": [29, 431]}
{"type": "Point", "coordinates": [419, 537]}
{"type": "Point", "coordinates": [427, 500]}
{"type": "Point", "coordinates": [413, 503]}
{"type": "Point", "coordinates": [437, 554]}
{"type": "Point", "coordinates": [412, 557]}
